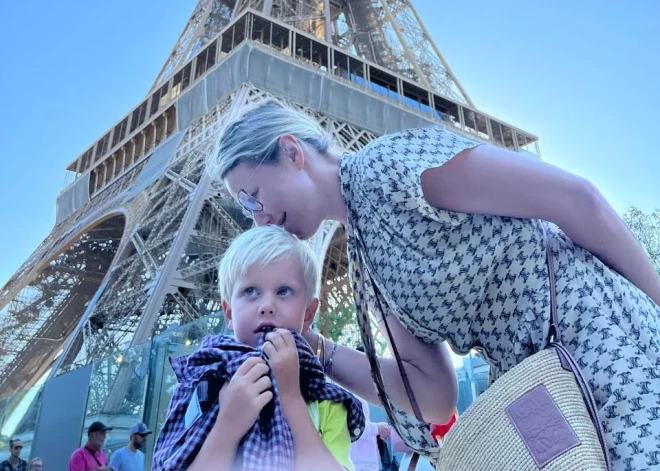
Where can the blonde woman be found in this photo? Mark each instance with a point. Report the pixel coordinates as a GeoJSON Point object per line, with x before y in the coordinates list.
{"type": "Point", "coordinates": [453, 233]}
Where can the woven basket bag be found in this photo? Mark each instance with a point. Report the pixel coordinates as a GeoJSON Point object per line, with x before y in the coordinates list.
{"type": "Point", "coordinates": [540, 415]}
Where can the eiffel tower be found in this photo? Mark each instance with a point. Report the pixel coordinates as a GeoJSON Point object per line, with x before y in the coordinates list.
{"type": "Point", "coordinates": [141, 227]}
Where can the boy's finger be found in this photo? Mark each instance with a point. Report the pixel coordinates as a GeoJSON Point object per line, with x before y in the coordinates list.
{"type": "Point", "coordinates": [269, 349]}
{"type": "Point", "coordinates": [248, 365]}
{"type": "Point", "coordinates": [286, 336]}
{"type": "Point", "coordinates": [263, 384]}
{"type": "Point", "coordinates": [276, 339]}
{"type": "Point", "coordinates": [264, 398]}
{"type": "Point", "coordinates": [257, 372]}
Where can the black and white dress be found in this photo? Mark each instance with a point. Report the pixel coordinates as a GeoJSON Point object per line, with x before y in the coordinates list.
{"type": "Point", "coordinates": [480, 281]}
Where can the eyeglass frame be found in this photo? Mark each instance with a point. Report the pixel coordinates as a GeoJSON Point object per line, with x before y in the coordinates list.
{"type": "Point", "coordinates": [249, 204]}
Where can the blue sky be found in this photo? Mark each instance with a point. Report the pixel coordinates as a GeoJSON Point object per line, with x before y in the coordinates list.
{"type": "Point", "coordinates": [583, 76]}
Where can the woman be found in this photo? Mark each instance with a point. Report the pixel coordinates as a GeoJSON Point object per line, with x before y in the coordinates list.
{"type": "Point", "coordinates": [452, 230]}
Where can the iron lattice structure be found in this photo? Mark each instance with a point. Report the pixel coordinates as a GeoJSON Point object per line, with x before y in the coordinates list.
{"type": "Point", "coordinates": [141, 229]}
{"type": "Point", "coordinates": [389, 33]}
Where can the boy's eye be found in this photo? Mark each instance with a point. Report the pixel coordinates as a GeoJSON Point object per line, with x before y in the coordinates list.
{"type": "Point", "coordinates": [250, 291]}
{"type": "Point", "coordinates": [283, 291]}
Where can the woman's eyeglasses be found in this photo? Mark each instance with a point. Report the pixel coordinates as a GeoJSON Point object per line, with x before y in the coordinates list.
{"type": "Point", "coordinates": [249, 203]}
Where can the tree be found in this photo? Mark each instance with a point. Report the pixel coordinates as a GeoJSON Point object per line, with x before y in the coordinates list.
{"type": "Point", "coordinates": [341, 327]}
{"type": "Point", "coordinates": [646, 228]}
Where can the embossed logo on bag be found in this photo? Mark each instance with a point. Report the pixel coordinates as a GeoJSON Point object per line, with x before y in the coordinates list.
{"type": "Point", "coordinates": [542, 427]}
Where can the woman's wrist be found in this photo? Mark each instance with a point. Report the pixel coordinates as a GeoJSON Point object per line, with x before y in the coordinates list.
{"type": "Point", "coordinates": [329, 349]}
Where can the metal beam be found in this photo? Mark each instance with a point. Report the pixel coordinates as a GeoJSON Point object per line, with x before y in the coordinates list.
{"type": "Point", "coordinates": [152, 309]}
{"type": "Point", "coordinates": [409, 55]}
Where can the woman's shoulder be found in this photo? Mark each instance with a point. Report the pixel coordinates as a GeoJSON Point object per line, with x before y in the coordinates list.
{"type": "Point", "coordinates": [396, 160]}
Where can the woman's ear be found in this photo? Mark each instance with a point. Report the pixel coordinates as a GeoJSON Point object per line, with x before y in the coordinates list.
{"type": "Point", "coordinates": [291, 151]}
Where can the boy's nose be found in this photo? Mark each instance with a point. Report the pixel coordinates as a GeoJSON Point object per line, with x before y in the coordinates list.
{"type": "Point", "coordinates": [267, 306]}
{"type": "Point", "coordinates": [266, 310]}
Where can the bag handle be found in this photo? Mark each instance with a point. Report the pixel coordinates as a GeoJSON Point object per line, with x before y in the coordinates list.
{"type": "Point", "coordinates": [402, 371]}
{"type": "Point", "coordinates": [404, 376]}
{"type": "Point", "coordinates": [553, 332]}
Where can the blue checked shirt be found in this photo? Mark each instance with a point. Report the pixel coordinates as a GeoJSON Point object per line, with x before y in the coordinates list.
{"type": "Point", "coordinates": [268, 445]}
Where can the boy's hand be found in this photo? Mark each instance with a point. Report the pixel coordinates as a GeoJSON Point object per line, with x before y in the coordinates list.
{"type": "Point", "coordinates": [242, 399]}
{"type": "Point", "coordinates": [280, 347]}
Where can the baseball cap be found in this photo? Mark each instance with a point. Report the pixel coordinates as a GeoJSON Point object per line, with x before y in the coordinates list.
{"type": "Point", "coordinates": [140, 429]}
{"type": "Point", "coordinates": [98, 427]}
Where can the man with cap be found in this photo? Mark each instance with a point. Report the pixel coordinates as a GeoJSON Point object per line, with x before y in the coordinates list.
{"type": "Point", "coordinates": [130, 458]}
{"type": "Point", "coordinates": [91, 457]}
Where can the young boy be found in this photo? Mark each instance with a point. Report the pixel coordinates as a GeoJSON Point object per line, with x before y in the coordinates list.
{"type": "Point", "coordinates": [274, 409]}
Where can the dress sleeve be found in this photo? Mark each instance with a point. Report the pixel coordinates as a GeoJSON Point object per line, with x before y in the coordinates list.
{"type": "Point", "coordinates": [334, 432]}
{"type": "Point", "coordinates": [391, 169]}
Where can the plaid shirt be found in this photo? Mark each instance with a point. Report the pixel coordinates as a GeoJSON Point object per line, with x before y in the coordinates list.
{"type": "Point", "coordinates": [268, 445]}
{"type": "Point", "coordinates": [6, 466]}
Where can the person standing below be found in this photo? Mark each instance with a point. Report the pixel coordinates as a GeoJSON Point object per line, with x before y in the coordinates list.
{"type": "Point", "coordinates": [14, 462]}
{"type": "Point", "coordinates": [90, 457]}
{"type": "Point", "coordinates": [364, 451]}
{"type": "Point", "coordinates": [36, 464]}
{"type": "Point", "coordinates": [130, 458]}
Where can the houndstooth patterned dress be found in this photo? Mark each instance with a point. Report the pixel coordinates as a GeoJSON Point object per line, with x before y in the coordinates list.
{"type": "Point", "coordinates": [480, 281]}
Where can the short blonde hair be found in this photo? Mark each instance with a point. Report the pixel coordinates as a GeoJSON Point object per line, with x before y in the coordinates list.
{"type": "Point", "coordinates": [264, 245]}
{"type": "Point", "coordinates": [253, 137]}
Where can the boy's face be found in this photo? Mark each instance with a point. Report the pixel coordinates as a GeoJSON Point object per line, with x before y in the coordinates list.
{"type": "Point", "coordinates": [270, 296]}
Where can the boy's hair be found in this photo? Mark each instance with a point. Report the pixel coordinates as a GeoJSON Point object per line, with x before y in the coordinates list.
{"type": "Point", "coordinates": [264, 245]}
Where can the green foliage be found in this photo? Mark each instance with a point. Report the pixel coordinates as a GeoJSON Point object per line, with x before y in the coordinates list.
{"type": "Point", "coordinates": [646, 228]}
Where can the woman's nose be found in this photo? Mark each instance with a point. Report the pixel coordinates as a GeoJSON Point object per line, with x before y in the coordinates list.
{"type": "Point", "coordinates": [261, 218]}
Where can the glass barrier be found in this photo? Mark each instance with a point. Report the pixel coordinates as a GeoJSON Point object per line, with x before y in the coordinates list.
{"type": "Point", "coordinates": [171, 344]}
{"type": "Point", "coordinates": [137, 385]}
{"type": "Point", "coordinates": [117, 392]}
{"type": "Point", "coordinates": [18, 419]}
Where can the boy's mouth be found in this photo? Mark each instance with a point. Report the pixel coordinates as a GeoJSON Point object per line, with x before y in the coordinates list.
{"type": "Point", "coordinates": [265, 328]}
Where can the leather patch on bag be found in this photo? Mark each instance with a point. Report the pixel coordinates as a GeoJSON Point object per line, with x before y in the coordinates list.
{"type": "Point", "coordinates": [542, 427]}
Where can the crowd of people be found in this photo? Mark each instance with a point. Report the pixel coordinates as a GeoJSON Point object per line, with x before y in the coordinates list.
{"type": "Point", "coordinates": [91, 457]}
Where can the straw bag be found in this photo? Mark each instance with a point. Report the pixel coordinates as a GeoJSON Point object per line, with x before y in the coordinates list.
{"type": "Point", "coordinates": [540, 415]}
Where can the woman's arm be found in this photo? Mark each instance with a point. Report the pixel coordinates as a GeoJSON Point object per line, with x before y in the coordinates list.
{"type": "Point", "coordinates": [429, 369]}
{"type": "Point", "coordinates": [490, 180]}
